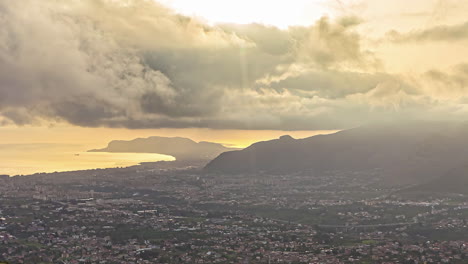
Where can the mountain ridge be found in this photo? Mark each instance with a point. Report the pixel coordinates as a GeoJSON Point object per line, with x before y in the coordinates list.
{"type": "Point", "coordinates": [405, 153]}
{"type": "Point", "coordinates": [179, 147]}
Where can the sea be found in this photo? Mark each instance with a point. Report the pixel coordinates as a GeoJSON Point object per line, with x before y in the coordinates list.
{"type": "Point", "coordinates": [26, 159]}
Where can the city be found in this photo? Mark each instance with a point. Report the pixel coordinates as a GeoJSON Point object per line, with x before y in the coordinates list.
{"type": "Point", "coordinates": [145, 215]}
{"type": "Point", "coordinates": [233, 131]}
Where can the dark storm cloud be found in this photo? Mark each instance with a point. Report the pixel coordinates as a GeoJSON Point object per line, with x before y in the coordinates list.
{"type": "Point", "coordinates": [333, 84]}
{"type": "Point", "coordinates": [137, 64]}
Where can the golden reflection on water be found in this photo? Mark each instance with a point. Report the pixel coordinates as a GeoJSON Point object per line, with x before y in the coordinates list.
{"type": "Point", "coordinates": [17, 159]}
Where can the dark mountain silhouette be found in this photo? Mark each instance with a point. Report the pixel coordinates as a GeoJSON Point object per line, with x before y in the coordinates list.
{"type": "Point", "coordinates": [404, 153]}
{"type": "Point", "coordinates": [180, 148]}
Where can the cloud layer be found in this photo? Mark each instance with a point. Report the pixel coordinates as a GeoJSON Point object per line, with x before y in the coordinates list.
{"type": "Point", "coordinates": [456, 32]}
{"type": "Point", "coordinates": [138, 64]}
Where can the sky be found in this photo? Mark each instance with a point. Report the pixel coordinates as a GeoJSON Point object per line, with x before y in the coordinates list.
{"type": "Point", "coordinates": [226, 71]}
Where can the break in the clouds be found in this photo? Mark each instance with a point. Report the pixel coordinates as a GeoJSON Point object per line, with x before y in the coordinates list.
{"type": "Point", "coordinates": [138, 64]}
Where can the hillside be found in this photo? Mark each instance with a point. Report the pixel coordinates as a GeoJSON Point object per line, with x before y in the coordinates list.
{"type": "Point", "coordinates": [454, 181]}
{"type": "Point", "coordinates": [404, 153]}
{"type": "Point", "coordinates": [180, 148]}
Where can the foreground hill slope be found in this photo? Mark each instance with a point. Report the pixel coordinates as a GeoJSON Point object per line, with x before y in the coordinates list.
{"type": "Point", "coordinates": [403, 153]}
{"type": "Point", "coordinates": [180, 148]}
{"type": "Point", "coordinates": [455, 181]}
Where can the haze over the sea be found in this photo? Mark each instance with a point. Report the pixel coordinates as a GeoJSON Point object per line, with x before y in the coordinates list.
{"type": "Point", "coordinates": [24, 159]}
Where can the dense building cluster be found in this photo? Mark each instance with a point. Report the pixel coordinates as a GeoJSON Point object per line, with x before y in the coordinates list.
{"type": "Point", "coordinates": [146, 215]}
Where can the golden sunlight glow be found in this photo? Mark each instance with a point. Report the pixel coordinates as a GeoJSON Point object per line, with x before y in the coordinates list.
{"type": "Point", "coordinates": [64, 148]}
{"type": "Point", "coordinates": [299, 12]}
{"type": "Point", "coordinates": [98, 71]}
{"type": "Point", "coordinates": [90, 138]}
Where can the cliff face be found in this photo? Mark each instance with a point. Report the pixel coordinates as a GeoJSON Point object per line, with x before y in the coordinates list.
{"type": "Point", "coordinates": [405, 154]}
{"type": "Point", "coordinates": [180, 148]}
